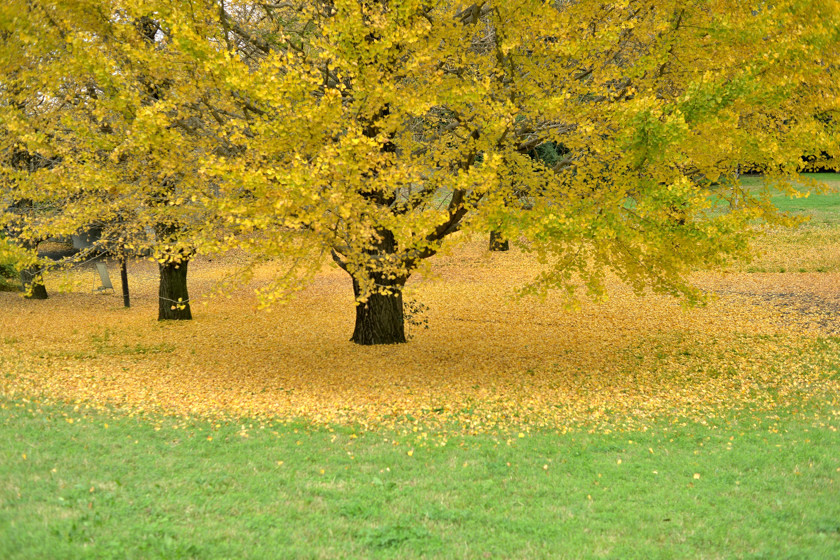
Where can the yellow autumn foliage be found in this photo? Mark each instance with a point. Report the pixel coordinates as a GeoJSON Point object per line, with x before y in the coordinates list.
{"type": "Point", "coordinates": [373, 132]}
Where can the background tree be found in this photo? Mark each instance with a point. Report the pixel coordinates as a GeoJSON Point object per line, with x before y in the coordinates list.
{"type": "Point", "coordinates": [22, 214]}
{"type": "Point", "coordinates": [555, 157]}
{"type": "Point", "coordinates": [98, 85]}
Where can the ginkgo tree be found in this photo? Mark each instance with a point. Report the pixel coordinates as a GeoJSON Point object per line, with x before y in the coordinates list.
{"type": "Point", "coordinates": [371, 132]}
{"type": "Point", "coordinates": [377, 130]}
{"type": "Point", "coordinates": [97, 87]}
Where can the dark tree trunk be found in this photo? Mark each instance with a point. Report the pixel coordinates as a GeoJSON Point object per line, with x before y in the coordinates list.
{"type": "Point", "coordinates": [174, 301]}
{"type": "Point", "coordinates": [124, 280]}
{"type": "Point", "coordinates": [498, 242]}
{"type": "Point", "coordinates": [379, 320]}
{"type": "Point", "coordinates": [32, 285]}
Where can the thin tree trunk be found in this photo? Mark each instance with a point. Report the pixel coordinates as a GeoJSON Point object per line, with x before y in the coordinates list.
{"type": "Point", "coordinates": [380, 319]}
{"type": "Point", "coordinates": [124, 280]}
{"type": "Point", "coordinates": [33, 286]}
{"type": "Point", "coordinates": [498, 242]}
{"type": "Point", "coordinates": [174, 301]}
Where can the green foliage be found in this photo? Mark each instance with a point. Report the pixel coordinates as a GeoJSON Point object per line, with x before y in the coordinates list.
{"type": "Point", "coordinates": [7, 277]}
{"type": "Point", "coordinates": [9, 266]}
{"type": "Point", "coordinates": [550, 153]}
{"type": "Point", "coordinates": [8, 258]}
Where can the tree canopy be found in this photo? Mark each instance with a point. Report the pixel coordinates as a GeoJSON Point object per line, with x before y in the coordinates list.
{"type": "Point", "coordinates": [373, 131]}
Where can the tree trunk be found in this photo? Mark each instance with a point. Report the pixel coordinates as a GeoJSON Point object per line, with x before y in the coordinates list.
{"type": "Point", "coordinates": [498, 242]}
{"type": "Point", "coordinates": [174, 301]}
{"type": "Point", "coordinates": [124, 280]}
{"type": "Point", "coordinates": [33, 286]}
{"type": "Point", "coordinates": [379, 320]}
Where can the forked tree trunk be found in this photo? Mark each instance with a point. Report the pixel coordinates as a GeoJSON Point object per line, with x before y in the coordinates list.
{"type": "Point", "coordinates": [33, 286]}
{"type": "Point", "coordinates": [498, 242]}
{"type": "Point", "coordinates": [379, 320]}
{"type": "Point", "coordinates": [174, 301]}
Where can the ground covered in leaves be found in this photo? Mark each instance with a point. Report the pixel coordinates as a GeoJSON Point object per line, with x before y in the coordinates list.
{"type": "Point", "coordinates": [486, 362]}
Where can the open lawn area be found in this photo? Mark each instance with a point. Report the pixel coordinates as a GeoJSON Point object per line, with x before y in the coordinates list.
{"type": "Point", "coordinates": [78, 484]}
{"type": "Point", "coordinates": [510, 428]}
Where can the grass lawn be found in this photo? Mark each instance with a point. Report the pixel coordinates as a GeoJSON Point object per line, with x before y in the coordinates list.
{"type": "Point", "coordinates": [77, 484]}
{"type": "Point", "coordinates": [821, 208]}
{"type": "Point", "coordinates": [810, 247]}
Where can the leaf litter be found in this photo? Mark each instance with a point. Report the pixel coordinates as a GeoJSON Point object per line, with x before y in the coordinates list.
{"type": "Point", "coordinates": [487, 362]}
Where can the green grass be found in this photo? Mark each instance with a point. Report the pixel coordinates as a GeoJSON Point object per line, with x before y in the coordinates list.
{"type": "Point", "coordinates": [110, 486]}
{"type": "Point", "coordinates": [821, 208]}
{"type": "Point", "coordinates": [809, 247]}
